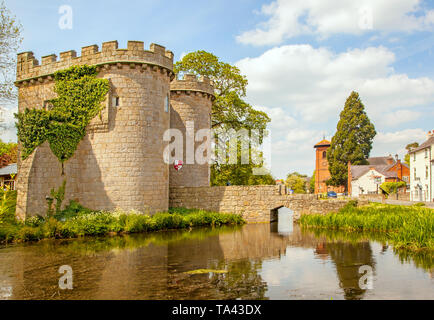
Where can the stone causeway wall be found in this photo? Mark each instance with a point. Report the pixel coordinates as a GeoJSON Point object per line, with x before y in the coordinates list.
{"type": "Point", "coordinates": [254, 203]}
{"type": "Point", "coordinates": [379, 197]}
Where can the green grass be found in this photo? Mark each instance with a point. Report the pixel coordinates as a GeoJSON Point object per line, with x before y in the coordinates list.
{"type": "Point", "coordinates": [406, 227]}
{"type": "Point", "coordinates": [77, 221]}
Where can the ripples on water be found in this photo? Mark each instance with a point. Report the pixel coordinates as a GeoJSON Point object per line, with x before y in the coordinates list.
{"type": "Point", "coordinates": [262, 261]}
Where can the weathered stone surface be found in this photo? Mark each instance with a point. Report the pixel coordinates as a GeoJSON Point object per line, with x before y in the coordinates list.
{"type": "Point", "coordinates": [119, 163]}
{"type": "Point", "coordinates": [191, 102]}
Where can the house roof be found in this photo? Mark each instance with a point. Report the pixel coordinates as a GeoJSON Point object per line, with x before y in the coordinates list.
{"type": "Point", "coordinates": [375, 161]}
{"type": "Point", "coordinates": [323, 143]}
{"type": "Point", "coordinates": [8, 170]}
{"type": "Point", "coordinates": [424, 145]}
{"type": "Point", "coordinates": [358, 171]}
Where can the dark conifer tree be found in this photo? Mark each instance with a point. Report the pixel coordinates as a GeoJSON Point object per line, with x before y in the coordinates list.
{"type": "Point", "coordinates": [352, 141]}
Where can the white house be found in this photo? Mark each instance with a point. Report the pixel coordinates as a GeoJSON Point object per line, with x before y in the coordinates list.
{"type": "Point", "coordinates": [366, 181]}
{"type": "Point", "coordinates": [421, 170]}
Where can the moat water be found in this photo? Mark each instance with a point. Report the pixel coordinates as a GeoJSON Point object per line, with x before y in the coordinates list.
{"type": "Point", "coordinates": [262, 261]}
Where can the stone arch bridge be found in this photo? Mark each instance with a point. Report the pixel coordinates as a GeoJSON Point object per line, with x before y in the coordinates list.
{"type": "Point", "coordinates": [254, 203]}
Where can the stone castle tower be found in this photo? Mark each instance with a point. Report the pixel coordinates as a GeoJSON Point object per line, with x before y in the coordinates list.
{"type": "Point", "coordinates": [191, 102]}
{"type": "Point", "coordinates": [119, 163]}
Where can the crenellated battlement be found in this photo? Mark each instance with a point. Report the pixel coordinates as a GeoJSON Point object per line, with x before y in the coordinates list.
{"type": "Point", "coordinates": [157, 57]}
{"type": "Point", "coordinates": [191, 84]}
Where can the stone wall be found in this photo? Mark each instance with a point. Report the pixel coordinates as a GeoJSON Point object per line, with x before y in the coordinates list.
{"type": "Point", "coordinates": [119, 163]}
{"type": "Point", "coordinates": [254, 203]}
{"type": "Point", "coordinates": [379, 197]}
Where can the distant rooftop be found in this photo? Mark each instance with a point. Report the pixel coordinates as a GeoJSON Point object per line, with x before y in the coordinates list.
{"type": "Point", "coordinates": [377, 161]}
{"type": "Point", "coordinates": [358, 171]}
{"type": "Point", "coordinates": [323, 143]}
{"type": "Point", "coordinates": [8, 170]}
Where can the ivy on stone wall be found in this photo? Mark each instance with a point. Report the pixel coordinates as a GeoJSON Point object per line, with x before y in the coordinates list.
{"type": "Point", "coordinates": [79, 99]}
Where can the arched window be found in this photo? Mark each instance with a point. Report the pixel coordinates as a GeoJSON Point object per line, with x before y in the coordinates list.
{"type": "Point", "coordinates": [324, 154]}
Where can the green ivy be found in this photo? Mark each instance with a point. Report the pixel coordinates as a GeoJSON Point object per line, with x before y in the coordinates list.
{"type": "Point", "coordinates": [393, 187]}
{"type": "Point", "coordinates": [79, 99]}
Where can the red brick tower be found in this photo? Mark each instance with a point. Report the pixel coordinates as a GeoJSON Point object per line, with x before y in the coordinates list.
{"type": "Point", "coordinates": [322, 173]}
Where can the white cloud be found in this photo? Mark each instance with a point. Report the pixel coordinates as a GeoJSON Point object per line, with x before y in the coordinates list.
{"type": "Point", "coordinates": [401, 116]}
{"type": "Point", "coordinates": [290, 18]}
{"type": "Point", "coordinates": [314, 82]}
{"type": "Point", "coordinates": [395, 142]}
{"type": "Point", "coordinates": [304, 89]}
{"type": "Point", "coordinates": [8, 131]}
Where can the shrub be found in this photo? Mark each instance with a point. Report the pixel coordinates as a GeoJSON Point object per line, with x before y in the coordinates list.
{"type": "Point", "coordinates": [419, 204]}
{"type": "Point", "coordinates": [406, 226]}
{"type": "Point", "coordinates": [76, 221]}
{"type": "Point", "coordinates": [34, 221]}
{"type": "Point", "coordinates": [72, 210]}
{"type": "Point", "coordinates": [8, 200]}
{"type": "Point", "coordinates": [393, 187]}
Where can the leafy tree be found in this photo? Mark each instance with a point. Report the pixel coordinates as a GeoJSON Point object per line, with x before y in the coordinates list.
{"type": "Point", "coordinates": [296, 182]}
{"type": "Point", "coordinates": [352, 141]}
{"type": "Point", "coordinates": [10, 39]}
{"type": "Point", "coordinates": [239, 174]}
{"type": "Point", "coordinates": [229, 111]}
{"type": "Point", "coordinates": [408, 148]}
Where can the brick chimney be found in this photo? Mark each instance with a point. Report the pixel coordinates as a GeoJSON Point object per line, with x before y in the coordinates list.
{"type": "Point", "coordinates": [430, 134]}
{"type": "Point", "coordinates": [390, 160]}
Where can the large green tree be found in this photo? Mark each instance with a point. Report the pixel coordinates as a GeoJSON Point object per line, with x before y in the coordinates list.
{"type": "Point", "coordinates": [296, 182]}
{"type": "Point", "coordinates": [229, 111]}
{"type": "Point", "coordinates": [352, 141]}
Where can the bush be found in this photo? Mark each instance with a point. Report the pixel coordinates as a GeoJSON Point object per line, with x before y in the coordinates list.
{"type": "Point", "coordinates": [77, 221]}
{"type": "Point", "coordinates": [34, 221]}
{"type": "Point", "coordinates": [419, 204]}
{"type": "Point", "coordinates": [72, 210]}
{"type": "Point", "coordinates": [408, 227]}
{"type": "Point", "coordinates": [393, 187]}
{"type": "Point", "coordinates": [351, 204]}
{"type": "Point", "coordinates": [8, 200]}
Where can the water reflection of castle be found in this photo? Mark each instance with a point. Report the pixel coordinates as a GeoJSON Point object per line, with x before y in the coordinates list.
{"type": "Point", "coordinates": [154, 266]}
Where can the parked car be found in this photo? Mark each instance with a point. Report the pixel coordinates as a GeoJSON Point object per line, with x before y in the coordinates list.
{"type": "Point", "coordinates": [331, 194]}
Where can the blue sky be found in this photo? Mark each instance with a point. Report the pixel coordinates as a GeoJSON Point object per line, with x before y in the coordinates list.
{"type": "Point", "coordinates": [302, 58]}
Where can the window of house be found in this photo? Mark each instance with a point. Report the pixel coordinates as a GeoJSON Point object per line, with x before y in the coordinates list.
{"type": "Point", "coordinates": [414, 156]}
{"type": "Point", "coordinates": [324, 154]}
{"type": "Point", "coordinates": [414, 173]}
{"type": "Point", "coordinates": [426, 153]}
{"type": "Point", "coordinates": [426, 172]}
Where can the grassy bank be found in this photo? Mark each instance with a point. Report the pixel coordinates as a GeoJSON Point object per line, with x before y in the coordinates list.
{"type": "Point", "coordinates": [406, 227]}
{"type": "Point", "coordinates": [77, 221]}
